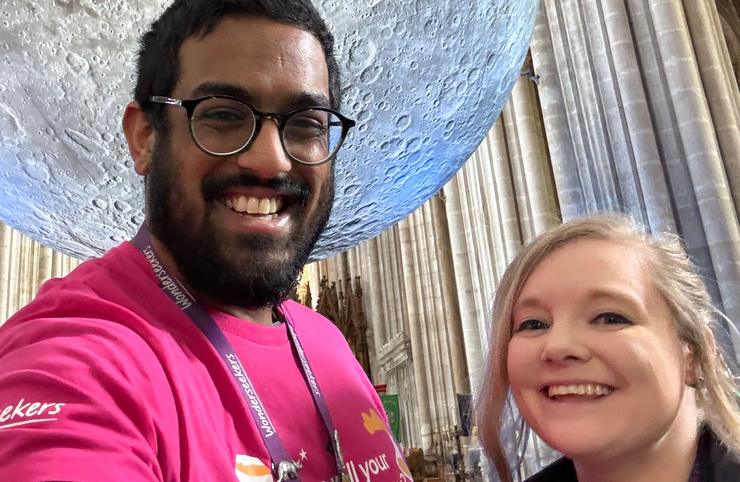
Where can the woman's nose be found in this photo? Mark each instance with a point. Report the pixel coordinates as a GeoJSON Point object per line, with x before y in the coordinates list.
{"type": "Point", "coordinates": [565, 343]}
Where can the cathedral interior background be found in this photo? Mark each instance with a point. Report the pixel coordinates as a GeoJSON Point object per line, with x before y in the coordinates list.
{"type": "Point", "coordinates": [629, 105]}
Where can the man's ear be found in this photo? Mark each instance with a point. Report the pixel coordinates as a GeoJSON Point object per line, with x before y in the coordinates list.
{"type": "Point", "coordinates": [140, 136]}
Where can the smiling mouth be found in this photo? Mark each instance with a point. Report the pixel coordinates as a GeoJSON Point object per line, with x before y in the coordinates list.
{"type": "Point", "coordinates": [591, 391]}
{"type": "Point", "coordinates": [268, 208]}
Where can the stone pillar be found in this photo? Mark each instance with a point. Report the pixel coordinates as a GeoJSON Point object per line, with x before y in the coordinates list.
{"type": "Point", "coordinates": [5, 234]}
{"type": "Point", "coordinates": [387, 289]}
{"type": "Point", "coordinates": [719, 83]}
{"type": "Point", "coordinates": [449, 301]}
{"type": "Point", "coordinates": [372, 293]}
{"type": "Point", "coordinates": [409, 259]}
{"type": "Point", "coordinates": [440, 343]}
{"type": "Point", "coordinates": [505, 226]}
{"type": "Point", "coordinates": [395, 276]}
{"type": "Point", "coordinates": [433, 370]}
{"type": "Point", "coordinates": [57, 269]}
{"type": "Point", "coordinates": [534, 178]}
{"type": "Point", "coordinates": [544, 49]}
{"type": "Point", "coordinates": [14, 273]}
{"type": "Point", "coordinates": [461, 260]}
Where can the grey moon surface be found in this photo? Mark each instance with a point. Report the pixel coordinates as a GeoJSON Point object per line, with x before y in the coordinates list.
{"type": "Point", "coordinates": [424, 80]}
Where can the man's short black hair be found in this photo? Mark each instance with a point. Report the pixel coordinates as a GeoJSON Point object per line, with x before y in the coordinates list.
{"type": "Point", "coordinates": [159, 53]}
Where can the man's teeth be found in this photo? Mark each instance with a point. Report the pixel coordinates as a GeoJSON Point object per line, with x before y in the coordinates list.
{"type": "Point", "coordinates": [253, 205]}
{"type": "Point", "coordinates": [584, 389]}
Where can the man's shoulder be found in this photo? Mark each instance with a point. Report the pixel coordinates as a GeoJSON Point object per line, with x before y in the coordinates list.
{"type": "Point", "coordinates": [103, 296]}
{"type": "Point", "coordinates": [302, 315]}
{"type": "Point", "coordinates": [93, 286]}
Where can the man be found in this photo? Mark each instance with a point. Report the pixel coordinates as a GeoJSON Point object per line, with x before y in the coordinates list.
{"type": "Point", "coordinates": [176, 357]}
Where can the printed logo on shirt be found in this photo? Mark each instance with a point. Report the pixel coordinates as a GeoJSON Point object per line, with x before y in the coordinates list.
{"type": "Point", "coordinates": [251, 469]}
{"type": "Point", "coordinates": [23, 413]}
{"type": "Point", "coordinates": [373, 423]}
{"type": "Point", "coordinates": [369, 470]}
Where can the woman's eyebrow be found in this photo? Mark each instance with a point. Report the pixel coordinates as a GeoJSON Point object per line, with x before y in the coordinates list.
{"type": "Point", "coordinates": [614, 294]}
{"type": "Point", "coordinates": [528, 302]}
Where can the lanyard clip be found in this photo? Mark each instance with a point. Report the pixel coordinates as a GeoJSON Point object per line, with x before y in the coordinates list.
{"type": "Point", "coordinates": [288, 470]}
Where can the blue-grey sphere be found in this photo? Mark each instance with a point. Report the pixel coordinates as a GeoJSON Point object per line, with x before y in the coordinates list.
{"type": "Point", "coordinates": [424, 80]}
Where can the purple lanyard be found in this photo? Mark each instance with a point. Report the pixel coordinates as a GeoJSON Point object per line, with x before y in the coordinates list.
{"type": "Point", "coordinates": [200, 316]}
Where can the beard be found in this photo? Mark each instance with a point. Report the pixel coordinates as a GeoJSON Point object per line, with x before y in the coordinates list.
{"type": "Point", "coordinates": [249, 271]}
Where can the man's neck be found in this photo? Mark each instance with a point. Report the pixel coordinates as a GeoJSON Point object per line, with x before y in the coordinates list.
{"type": "Point", "coordinates": [260, 316]}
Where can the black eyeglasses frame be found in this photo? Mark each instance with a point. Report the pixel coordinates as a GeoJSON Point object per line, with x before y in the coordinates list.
{"type": "Point", "coordinates": [280, 120]}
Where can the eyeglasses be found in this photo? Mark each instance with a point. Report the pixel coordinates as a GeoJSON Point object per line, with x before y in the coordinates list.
{"type": "Point", "coordinates": [224, 126]}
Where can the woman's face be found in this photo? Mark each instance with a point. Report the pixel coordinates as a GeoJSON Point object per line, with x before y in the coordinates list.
{"type": "Point", "coordinates": [595, 364]}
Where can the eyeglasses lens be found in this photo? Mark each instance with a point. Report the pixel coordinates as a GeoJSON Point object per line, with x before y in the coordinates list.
{"type": "Point", "coordinates": [222, 126]}
{"type": "Point", "coordinates": [312, 135]}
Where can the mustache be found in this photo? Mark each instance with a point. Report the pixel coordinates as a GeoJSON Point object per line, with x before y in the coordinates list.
{"type": "Point", "coordinates": [213, 186]}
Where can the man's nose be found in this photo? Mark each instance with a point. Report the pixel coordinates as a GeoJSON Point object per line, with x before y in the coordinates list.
{"type": "Point", "coordinates": [566, 343]}
{"type": "Point", "coordinates": [266, 157]}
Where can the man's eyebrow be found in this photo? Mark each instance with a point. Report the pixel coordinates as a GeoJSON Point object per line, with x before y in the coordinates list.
{"type": "Point", "coordinates": [220, 88]}
{"type": "Point", "coordinates": [306, 100]}
{"type": "Point", "coordinates": [300, 101]}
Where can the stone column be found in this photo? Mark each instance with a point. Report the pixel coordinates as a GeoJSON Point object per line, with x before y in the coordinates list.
{"type": "Point", "coordinates": [14, 273]}
{"type": "Point", "coordinates": [433, 370]}
{"type": "Point", "coordinates": [461, 261]}
{"type": "Point", "coordinates": [5, 234]}
{"type": "Point", "coordinates": [719, 83]}
{"type": "Point", "coordinates": [502, 218]}
{"type": "Point", "coordinates": [534, 182]}
{"type": "Point", "coordinates": [449, 301]}
{"type": "Point", "coordinates": [57, 270]}
{"type": "Point", "coordinates": [409, 260]}
{"type": "Point", "coordinates": [372, 291]}
{"type": "Point", "coordinates": [544, 49]}
{"type": "Point", "coordinates": [45, 255]}
{"type": "Point", "coordinates": [441, 345]}
{"type": "Point", "coordinates": [387, 288]}
{"type": "Point", "coordinates": [370, 297]}
{"type": "Point", "coordinates": [395, 276]}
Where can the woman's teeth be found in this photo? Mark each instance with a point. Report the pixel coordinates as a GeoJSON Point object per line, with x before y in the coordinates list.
{"type": "Point", "coordinates": [253, 205]}
{"type": "Point", "coordinates": [583, 389]}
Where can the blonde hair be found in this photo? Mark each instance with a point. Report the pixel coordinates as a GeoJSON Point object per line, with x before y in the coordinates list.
{"type": "Point", "coordinates": [677, 281]}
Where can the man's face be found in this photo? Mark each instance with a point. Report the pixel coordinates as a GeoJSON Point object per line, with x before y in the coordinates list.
{"type": "Point", "coordinates": [240, 228]}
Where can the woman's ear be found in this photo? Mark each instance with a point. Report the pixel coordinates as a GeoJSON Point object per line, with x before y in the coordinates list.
{"type": "Point", "coordinates": [691, 375]}
{"type": "Point", "coordinates": [140, 136]}
{"type": "Point", "coordinates": [694, 375]}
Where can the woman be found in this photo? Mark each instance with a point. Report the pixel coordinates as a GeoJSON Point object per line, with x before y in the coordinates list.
{"type": "Point", "coordinates": [601, 334]}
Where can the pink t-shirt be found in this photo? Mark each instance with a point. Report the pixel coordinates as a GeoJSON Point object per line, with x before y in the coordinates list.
{"type": "Point", "coordinates": [103, 378]}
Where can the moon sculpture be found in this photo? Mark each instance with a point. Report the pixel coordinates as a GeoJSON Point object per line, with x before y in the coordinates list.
{"type": "Point", "coordinates": [424, 79]}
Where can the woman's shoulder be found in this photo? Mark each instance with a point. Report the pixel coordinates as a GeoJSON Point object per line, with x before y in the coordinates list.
{"type": "Point", "coordinates": [716, 462]}
{"type": "Point", "coordinates": [562, 470]}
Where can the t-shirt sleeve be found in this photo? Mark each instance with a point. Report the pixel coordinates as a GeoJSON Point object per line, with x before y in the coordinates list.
{"type": "Point", "coordinates": [76, 403]}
